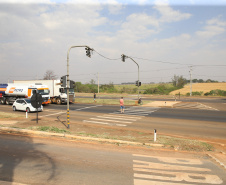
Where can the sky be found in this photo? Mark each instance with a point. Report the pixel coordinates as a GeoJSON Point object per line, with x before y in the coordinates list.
{"type": "Point", "coordinates": [164, 37]}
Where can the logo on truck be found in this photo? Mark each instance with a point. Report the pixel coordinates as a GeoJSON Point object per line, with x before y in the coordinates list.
{"type": "Point", "coordinates": [13, 89]}
{"type": "Point", "coordinates": [18, 90]}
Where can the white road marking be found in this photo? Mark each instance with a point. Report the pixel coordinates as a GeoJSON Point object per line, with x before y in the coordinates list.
{"type": "Point", "coordinates": [161, 166]}
{"type": "Point", "coordinates": [118, 113]}
{"type": "Point", "coordinates": [110, 120]}
{"type": "Point", "coordinates": [147, 182]}
{"type": "Point", "coordinates": [139, 112]}
{"type": "Point", "coordinates": [130, 116]}
{"type": "Point", "coordinates": [174, 160]}
{"type": "Point", "coordinates": [172, 170]}
{"type": "Point", "coordinates": [89, 107]}
{"type": "Point", "coordinates": [128, 113]}
{"type": "Point", "coordinates": [52, 114]}
{"type": "Point", "coordinates": [181, 176]}
{"type": "Point", "coordinates": [123, 116]}
{"type": "Point", "coordinates": [115, 118]}
{"type": "Point", "coordinates": [104, 123]}
{"type": "Point", "coordinates": [208, 107]}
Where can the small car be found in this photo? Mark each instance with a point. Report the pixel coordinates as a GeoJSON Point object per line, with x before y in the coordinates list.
{"type": "Point", "coordinates": [24, 104]}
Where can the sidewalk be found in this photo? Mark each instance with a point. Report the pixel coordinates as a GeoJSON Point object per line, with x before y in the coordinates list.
{"type": "Point", "coordinates": [161, 104]}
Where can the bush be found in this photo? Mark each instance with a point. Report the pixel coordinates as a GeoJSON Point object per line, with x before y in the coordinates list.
{"type": "Point", "coordinates": [216, 92]}
{"type": "Point", "coordinates": [196, 93]}
{"type": "Point", "coordinates": [108, 88]}
{"type": "Point", "coordinates": [160, 89]}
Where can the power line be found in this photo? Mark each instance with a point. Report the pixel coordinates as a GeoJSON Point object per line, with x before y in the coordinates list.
{"type": "Point", "coordinates": [106, 57]}
{"type": "Point", "coordinates": [161, 61]}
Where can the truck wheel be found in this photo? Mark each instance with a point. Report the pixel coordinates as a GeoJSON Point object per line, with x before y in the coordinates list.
{"type": "Point", "coordinates": [7, 101]}
{"type": "Point", "coordinates": [58, 101]}
{"type": "Point", "coordinates": [3, 101]}
{"type": "Point", "coordinates": [28, 110]}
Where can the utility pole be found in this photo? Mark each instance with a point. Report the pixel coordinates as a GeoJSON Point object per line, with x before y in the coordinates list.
{"type": "Point", "coordinates": [190, 80]}
{"type": "Point", "coordinates": [98, 82]}
{"type": "Point", "coordinates": [88, 49]}
{"type": "Point", "coordinates": [138, 82]}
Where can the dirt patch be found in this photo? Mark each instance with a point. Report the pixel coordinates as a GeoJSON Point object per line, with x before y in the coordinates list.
{"type": "Point", "coordinates": [7, 122]}
{"type": "Point", "coordinates": [161, 104]}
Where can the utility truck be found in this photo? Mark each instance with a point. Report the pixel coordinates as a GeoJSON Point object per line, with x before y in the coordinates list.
{"type": "Point", "coordinates": [10, 92]}
{"type": "Point", "coordinates": [57, 93]}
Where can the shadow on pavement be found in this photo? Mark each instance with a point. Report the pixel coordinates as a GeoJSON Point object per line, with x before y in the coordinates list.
{"type": "Point", "coordinates": [21, 162]}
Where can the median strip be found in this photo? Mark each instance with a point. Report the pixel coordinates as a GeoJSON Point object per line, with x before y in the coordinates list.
{"type": "Point", "coordinates": [67, 136]}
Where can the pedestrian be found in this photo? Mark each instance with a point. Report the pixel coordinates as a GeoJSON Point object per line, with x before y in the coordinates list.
{"type": "Point", "coordinates": [94, 97]}
{"type": "Point", "coordinates": [122, 105]}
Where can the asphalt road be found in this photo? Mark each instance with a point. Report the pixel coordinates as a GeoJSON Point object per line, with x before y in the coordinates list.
{"type": "Point", "coordinates": [188, 114]}
{"type": "Point", "coordinates": [205, 124]}
{"type": "Point", "coordinates": [33, 160]}
{"type": "Point", "coordinates": [182, 98]}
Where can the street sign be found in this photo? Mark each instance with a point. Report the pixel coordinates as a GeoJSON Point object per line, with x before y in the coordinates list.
{"type": "Point", "coordinates": [36, 100]}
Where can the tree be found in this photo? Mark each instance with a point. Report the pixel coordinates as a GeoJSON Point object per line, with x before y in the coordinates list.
{"type": "Point", "coordinates": [49, 75]}
{"type": "Point", "coordinates": [178, 81]}
{"type": "Point", "coordinates": [92, 81]}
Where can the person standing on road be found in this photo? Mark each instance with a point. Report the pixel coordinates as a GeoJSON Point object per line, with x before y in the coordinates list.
{"type": "Point", "coordinates": [122, 105]}
{"type": "Point", "coordinates": [94, 97]}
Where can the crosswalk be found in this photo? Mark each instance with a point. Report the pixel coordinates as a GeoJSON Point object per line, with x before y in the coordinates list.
{"type": "Point", "coordinates": [193, 105]}
{"type": "Point", "coordinates": [130, 115]}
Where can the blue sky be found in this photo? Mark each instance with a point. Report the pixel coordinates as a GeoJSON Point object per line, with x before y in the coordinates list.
{"type": "Point", "coordinates": [164, 37]}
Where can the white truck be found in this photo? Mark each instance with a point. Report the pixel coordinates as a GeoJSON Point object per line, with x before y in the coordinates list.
{"type": "Point", "coordinates": [58, 94]}
{"type": "Point", "coordinates": [10, 92]}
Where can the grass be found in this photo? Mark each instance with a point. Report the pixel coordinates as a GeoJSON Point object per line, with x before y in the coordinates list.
{"type": "Point", "coordinates": [50, 129]}
{"type": "Point", "coordinates": [9, 115]}
{"type": "Point", "coordinates": [184, 144]}
{"type": "Point", "coordinates": [168, 142]}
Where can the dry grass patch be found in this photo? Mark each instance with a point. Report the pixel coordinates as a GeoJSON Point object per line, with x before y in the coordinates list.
{"type": "Point", "coordinates": [9, 115]}
{"type": "Point", "coordinates": [200, 87]}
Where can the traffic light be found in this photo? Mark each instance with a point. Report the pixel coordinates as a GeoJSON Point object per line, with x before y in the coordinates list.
{"type": "Point", "coordinates": [138, 84]}
{"type": "Point", "coordinates": [72, 84]}
{"type": "Point", "coordinates": [123, 57]}
{"type": "Point", "coordinates": [88, 53]}
{"type": "Point", "coordinates": [63, 81]}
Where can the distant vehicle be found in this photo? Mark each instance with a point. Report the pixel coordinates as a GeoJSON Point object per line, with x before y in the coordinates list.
{"type": "Point", "coordinates": [57, 93]}
{"type": "Point", "coordinates": [10, 92]}
{"type": "Point", "coordinates": [24, 104]}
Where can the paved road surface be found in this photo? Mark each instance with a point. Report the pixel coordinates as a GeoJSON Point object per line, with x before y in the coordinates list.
{"type": "Point", "coordinates": [29, 160]}
{"type": "Point", "coordinates": [183, 122]}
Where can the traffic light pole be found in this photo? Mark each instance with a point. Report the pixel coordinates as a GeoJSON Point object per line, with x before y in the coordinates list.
{"type": "Point", "coordinates": [68, 81]}
{"type": "Point", "coordinates": [138, 77]}
{"type": "Point", "coordinates": [123, 59]}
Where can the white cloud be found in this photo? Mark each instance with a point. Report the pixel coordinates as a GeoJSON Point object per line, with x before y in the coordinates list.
{"type": "Point", "coordinates": [212, 28]}
{"type": "Point", "coordinates": [138, 26]}
{"type": "Point", "coordinates": [170, 15]}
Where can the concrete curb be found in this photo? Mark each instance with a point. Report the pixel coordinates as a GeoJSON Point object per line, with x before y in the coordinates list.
{"type": "Point", "coordinates": [218, 161]}
{"type": "Point", "coordinates": [67, 136]}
